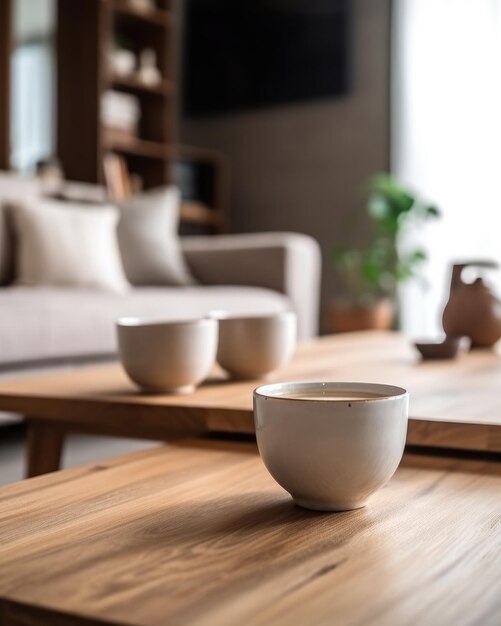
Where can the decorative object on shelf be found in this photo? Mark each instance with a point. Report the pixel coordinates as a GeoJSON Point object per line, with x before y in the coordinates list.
{"type": "Point", "coordinates": [120, 114]}
{"type": "Point", "coordinates": [472, 309]}
{"type": "Point", "coordinates": [122, 62]}
{"type": "Point", "coordinates": [144, 6]}
{"type": "Point", "coordinates": [148, 72]}
{"type": "Point", "coordinates": [372, 273]}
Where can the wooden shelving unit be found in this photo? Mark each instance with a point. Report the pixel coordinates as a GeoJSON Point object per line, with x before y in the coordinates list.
{"type": "Point", "coordinates": [198, 213]}
{"type": "Point", "coordinates": [134, 85]}
{"type": "Point", "coordinates": [92, 26]}
{"type": "Point", "coordinates": [160, 17]}
{"type": "Point", "coordinates": [138, 148]}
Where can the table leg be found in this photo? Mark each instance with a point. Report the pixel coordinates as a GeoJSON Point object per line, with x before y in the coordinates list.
{"type": "Point", "coordinates": [44, 447]}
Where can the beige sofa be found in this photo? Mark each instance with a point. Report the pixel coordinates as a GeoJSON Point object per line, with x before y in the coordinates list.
{"type": "Point", "coordinates": [249, 273]}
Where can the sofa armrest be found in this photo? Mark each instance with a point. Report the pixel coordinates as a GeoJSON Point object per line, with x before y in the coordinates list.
{"type": "Point", "coordinates": [289, 263]}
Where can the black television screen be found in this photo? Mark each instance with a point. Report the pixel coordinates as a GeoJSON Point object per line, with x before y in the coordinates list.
{"type": "Point", "coordinates": [252, 53]}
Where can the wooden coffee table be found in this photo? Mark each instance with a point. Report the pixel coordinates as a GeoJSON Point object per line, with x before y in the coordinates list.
{"type": "Point", "coordinates": [454, 404]}
{"type": "Point", "coordinates": [198, 533]}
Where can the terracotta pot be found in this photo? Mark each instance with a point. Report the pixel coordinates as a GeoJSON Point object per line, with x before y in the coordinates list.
{"type": "Point", "coordinates": [345, 317]}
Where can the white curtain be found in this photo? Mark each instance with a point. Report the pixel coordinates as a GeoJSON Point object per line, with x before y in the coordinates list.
{"type": "Point", "coordinates": [446, 138]}
{"type": "Point", "coordinates": [33, 83]}
{"type": "Point", "coordinates": [32, 130]}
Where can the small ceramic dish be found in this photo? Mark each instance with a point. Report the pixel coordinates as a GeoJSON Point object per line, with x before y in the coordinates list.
{"type": "Point", "coordinates": [449, 348]}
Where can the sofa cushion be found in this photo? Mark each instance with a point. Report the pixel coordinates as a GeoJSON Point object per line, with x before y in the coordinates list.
{"type": "Point", "coordinates": [50, 323]}
{"type": "Point", "coordinates": [14, 189]}
{"type": "Point", "coordinates": [69, 245]}
{"type": "Point", "coordinates": [148, 239]}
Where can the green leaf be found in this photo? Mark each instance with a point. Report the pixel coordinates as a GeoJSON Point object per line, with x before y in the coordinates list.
{"type": "Point", "coordinates": [379, 207]}
{"type": "Point", "coordinates": [432, 211]}
{"type": "Point", "coordinates": [387, 187]}
{"type": "Point", "coordinates": [416, 256]}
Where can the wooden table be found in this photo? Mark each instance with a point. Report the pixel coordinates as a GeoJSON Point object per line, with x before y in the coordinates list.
{"type": "Point", "coordinates": [454, 404]}
{"type": "Point", "coordinates": [197, 533]}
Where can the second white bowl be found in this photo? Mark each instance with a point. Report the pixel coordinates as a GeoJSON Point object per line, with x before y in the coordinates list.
{"type": "Point", "coordinates": [252, 346]}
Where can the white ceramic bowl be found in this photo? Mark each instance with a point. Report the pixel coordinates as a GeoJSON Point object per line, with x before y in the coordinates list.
{"type": "Point", "coordinates": [169, 356]}
{"type": "Point", "coordinates": [253, 346]}
{"type": "Point", "coordinates": [333, 444]}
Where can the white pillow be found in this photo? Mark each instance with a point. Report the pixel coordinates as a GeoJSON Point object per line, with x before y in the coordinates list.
{"type": "Point", "coordinates": [148, 239]}
{"type": "Point", "coordinates": [68, 245]}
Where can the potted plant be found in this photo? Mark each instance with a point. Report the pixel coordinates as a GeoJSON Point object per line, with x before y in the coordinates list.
{"type": "Point", "coordinates": [372, 273]}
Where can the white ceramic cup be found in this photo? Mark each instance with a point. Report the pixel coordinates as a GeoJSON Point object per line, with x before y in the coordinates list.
{"type": "Point", "coordinates": [331, 445]}
{"type": "Point", "coordinates": [253, 346]}
{"type": "Point", "coordinates": [167, 356]}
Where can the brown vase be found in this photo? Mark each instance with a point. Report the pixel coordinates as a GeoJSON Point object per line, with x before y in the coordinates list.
{"type": "Point", "coordinates": [345, 317]}
{"type": "Point", "coordinates": [472, 309]}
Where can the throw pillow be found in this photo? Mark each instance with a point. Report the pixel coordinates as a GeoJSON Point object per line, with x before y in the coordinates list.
{"type": "Point", "coordinates": [148, 239]}
{"type": "Point", "coordinates": [68, 245]}
{"type": "Point", "coordinates": [14, 188]}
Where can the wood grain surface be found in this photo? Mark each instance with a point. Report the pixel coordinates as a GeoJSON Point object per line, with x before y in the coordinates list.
{"type": "Point", "coordinates": [454, 404]}
{"type": "Point", "coordinates": [198, 533]}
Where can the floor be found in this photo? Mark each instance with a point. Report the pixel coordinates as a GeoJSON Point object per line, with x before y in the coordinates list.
{"type": "Point", "coordinates": [79, 449]}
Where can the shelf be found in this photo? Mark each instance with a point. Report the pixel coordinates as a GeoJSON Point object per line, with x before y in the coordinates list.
{"type": "Point", "coordinates": [139, 148]}
{"type": "Point", "coordinates": [158, 150]}
{"type": "Point", "coordinates": [94, 26]}
{"type": "Point", "coordinates": [133, 84]}
{"type": "Point", "coordinates": [157, 16]}
{"type": "Point", "coordinates": [199, 213]}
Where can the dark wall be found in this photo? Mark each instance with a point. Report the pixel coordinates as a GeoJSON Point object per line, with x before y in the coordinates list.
{"type": "Point", "coordinates": [301, 167]}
